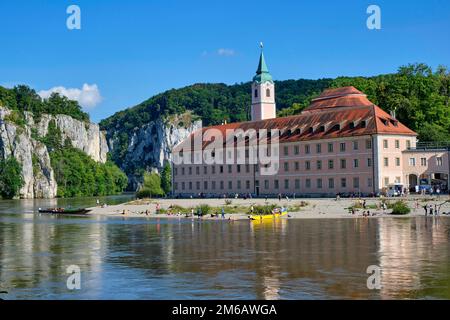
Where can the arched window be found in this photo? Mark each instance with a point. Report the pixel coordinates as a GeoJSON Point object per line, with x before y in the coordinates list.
{"type": "Point", "coordinates": [267, 92]}
{"type": "Point", "coordinates": [256, 93]}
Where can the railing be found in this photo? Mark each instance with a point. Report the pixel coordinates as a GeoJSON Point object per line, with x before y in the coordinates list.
{"type": "Point", "coordinates": [431, 145]}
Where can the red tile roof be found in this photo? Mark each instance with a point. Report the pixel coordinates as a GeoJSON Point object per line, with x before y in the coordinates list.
{"type": "Point", "coordinates": [336, 113]}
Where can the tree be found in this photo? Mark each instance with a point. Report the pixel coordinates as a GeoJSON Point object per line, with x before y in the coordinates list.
{"type": "Point", "coordinates": [151, 186]}
{"type": "Point", "coordinates": [11, 179]}
{"type": "Point", "coordinates": [166, 179]}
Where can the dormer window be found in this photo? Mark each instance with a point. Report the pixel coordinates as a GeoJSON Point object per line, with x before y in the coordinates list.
{"type": "Point", "coordinates": [394, 122]}
{"type": "Point", "coordinates": [352, 125]}
{"type": "Point", "coordinates": [385, 121]}
{"type": "Point", "coordinates": [363, 124]}
{"type": "Point", "coordinates": [322, 129]}
{"type": "Point", "coordinates": [337, 127]}
{"type": "Point", "coordinates": [310, 130]}
{"type": "Point", "coordinates": [297, 131]}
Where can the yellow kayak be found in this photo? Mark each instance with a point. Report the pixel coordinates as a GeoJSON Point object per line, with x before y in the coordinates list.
{"type": "Point", "coordinates": [267, 216]}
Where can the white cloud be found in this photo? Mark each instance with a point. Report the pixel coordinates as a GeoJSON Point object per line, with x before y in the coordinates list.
{"type": "Point", "coordinates": [88, 96]}
{"type": "Point", "coordinates": [226, 52]}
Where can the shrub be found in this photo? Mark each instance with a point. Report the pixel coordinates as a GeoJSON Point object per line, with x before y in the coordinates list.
{"type": "Point", "coordinates": [151, 186]}
{"type": "Point", "coordinates": [11, 179]}
{"type": "Point", "coordinates": [204, 208]}
{"type": "Point", "coordinates": [400, 208]}
{"type": "Point", "coordinates": [264, 209]}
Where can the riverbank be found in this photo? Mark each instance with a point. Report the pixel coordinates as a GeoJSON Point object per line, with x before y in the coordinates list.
{"type": "Point", "coordinates": [239, 209]}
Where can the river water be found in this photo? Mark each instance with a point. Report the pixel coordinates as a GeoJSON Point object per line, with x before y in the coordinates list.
{"type": "Point", "coordinates": [139, 258]}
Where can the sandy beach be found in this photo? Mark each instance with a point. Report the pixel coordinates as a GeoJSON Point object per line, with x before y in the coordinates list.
{"type": "Point", "coordinates": [304, 208]}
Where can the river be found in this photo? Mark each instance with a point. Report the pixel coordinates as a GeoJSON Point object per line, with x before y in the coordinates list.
{"type": "Point", "coordinates": [139, 258]}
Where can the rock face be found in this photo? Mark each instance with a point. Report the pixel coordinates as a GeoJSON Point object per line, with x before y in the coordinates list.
{"type": "Point", "coordinates": [22, 143]}
{"type": "Point", "coordinates": [150, 146]}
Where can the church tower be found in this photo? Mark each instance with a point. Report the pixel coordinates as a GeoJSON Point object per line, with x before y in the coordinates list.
{"type": "Point", "coordinates": [263, 93]}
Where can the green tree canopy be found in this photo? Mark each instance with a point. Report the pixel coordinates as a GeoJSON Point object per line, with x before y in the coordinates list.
{"type": "Point", "coordinates": [11, 179]}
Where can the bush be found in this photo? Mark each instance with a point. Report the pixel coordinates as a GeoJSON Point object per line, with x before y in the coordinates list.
{"type": "Point", "coordinates": [264, 209]}
{"type": "Point", "coordinates": [204, 209]}
{"type": "Point", "coordinates": [400, 208]}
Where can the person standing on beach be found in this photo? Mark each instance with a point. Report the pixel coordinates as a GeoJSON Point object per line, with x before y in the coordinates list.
{"type": "Point", "coordinates": [279, 197]}
{"type": "Point", "coordinates": [425, 207]}
{"type": "Point", "coordinates": [223, 213]}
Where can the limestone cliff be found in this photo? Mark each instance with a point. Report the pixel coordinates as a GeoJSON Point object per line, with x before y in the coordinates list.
{"type": "Point", "coordinates": [149, 147]}
{"type": "Point", "coordinates": [22, 142]}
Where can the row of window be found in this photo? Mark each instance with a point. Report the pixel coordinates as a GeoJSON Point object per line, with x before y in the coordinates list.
{"type": "Point", "coordinates": [423, 161]}
{"type": "Point", "coordinates": [396, 143]}
{"type": "Point", "coordinates": [318, 164]}
{"type": "Point", "coordinates": [319, 183]}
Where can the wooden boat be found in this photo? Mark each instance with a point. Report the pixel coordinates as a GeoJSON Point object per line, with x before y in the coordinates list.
{"type": "Point", "coordinates": [258, 217]}
{"type": "Point", "coordinates": [64, 210]}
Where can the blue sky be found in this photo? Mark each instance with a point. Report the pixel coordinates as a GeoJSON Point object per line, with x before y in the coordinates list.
{"type": "Point", "coordinates": [134, 49]}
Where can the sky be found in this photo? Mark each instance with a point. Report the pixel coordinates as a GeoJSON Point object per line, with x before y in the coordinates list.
{"type": "Point", "coordinates": [127, 51]}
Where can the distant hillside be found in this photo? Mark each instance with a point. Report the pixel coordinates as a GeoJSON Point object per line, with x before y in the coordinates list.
{"type": "Point", "coordinates": [419, 96]}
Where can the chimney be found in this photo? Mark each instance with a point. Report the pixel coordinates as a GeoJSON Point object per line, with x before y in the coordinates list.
{"type": "Point", "coordinates": [392, 112]}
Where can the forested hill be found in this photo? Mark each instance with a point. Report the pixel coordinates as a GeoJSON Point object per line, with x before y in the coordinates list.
{"type": "Point", "coordinates": [419, 95]}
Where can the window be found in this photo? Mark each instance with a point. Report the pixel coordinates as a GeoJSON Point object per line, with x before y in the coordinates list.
{"type": "Point", "coordinates": [197, 170]}
{"type": "Point", "coordinates": [386, 181]}
{"type": "Point", "coordinates": [343, 183]}
{"type": "Point", "coordinates": [197, 185]}
{"type": "Point", "coordinates": [190, 185]}
{"type": "Point", "coordinates": [213, 185]}
{"type": "Point", "coordinates": [183, 185]}
{"type": "Point", "coordinates": [266, 184]}
{"type": "Point", "coordinates": [412, 162]}
{"type": "Point", "coordinates": [408, 144]}
{"type": "Point", "coordinates": [296, 150]}
{"type": "Point", "coordinates": [319, 183]}
{"type": "Point", "coordinates": [276, 184]}
{"type": "Point", "coordinates": [176, 185]}
{"type": "Point", "coordinates": [397, 179]}
{"type": "Point", "coordinates": [397, 144]}
{"type": "Point", "coordinates": [397, 162]}
{"type": "Point", "coordinates": [297, 166]}
{"type": "Point", "coordinates": [256, 93]}
{"type": "Point", "coordinates": [356, 182]}
{"type": "Point", "coordinates": [308, 165]}
{"type": "Point", "coordinates": [439, 161]}
{"type": "Point", "coordinates": [286, 150]}
{"type": "Point", "coordinates": [423, 161]}
{"type": "Point", "coordinates": [308, 183]}
{"type": "Point", "coordinates": [297, 183]}
{"type": "Point", "coordinates": [221, 185]}
{"type": "Point", "coordinates": [307, 149]}
{"type": "Point", "coordinates": [330, 147]}
{"type": "Point", "coordinates": [229, 168]}
{"type": "Point", "coordinates": [286, 166]}
{"type": "Point", "coordinates": [355, 145]}
{"type": "Point", "coordinates": [247, 184]}
{"type": "Point", "coordinates": [286, 184]}
{"type": "Point", "coordinates": [205, 170]}
{"type": "Point", "coordinates": [175, 171]}
{"type": "Point", "coordinates": [318, 148]}
{"type": "Point", "coordinates": [331, 183]}
{"type": "Point", "coordinates": [386, 162]}
{"type": "Point", "coordinates": [230, 185]}
{"type": "Point", "coordinates": [369, 182]}
{"type": "Point", "coordinates": [247, 168]}
{"type": "Point", "coordinates": [239, 184]}
{"type": "Point", "coordinates": [182, 171]}
{"type": "Point", "coordinates": [205, 185]}
{"type": "Point", "coordinates": [368, 144]}
{"type": "Point", "coordinates": [330, 164]}
{"type": "Point", "coordinates": [385, 144]}
{"type": "Point", "coordinates": [355, 163]}
{"type": "Point", "coordinates": [369, 162]}
{"type": "Point", "coordinates": [238, 168]}
{"type": "Point", "coordinates": [343, 163]}
{"type": "Point", "coordinates": [221, 169]}
{"type": "Point", "coordinates": [267, 92]}
{"type": "Point", "coordinates": [342, 146]}
{"type": "Point", "coordinates": [319, 165]}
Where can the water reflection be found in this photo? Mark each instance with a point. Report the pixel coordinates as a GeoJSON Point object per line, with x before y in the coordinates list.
{"type": "Point", "coordinates": [287, 259]}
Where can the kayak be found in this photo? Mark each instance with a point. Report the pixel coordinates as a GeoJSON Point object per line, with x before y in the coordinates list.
{"type": "Point", "coordinates": [267, 216]}
{"type": "Point", "coordinates": [64, 211]}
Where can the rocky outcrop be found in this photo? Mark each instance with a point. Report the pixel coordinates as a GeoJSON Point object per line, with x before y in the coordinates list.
{"type": "Point", "coordinates": [150, 146]}
{"type": "Point", "coordinates": [22, 142]}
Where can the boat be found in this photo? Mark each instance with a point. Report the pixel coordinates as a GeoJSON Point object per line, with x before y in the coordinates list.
{"type": "Point", "coordinates": [64, 211]}
{"type": "Point", "coordinates": [258, 217]}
